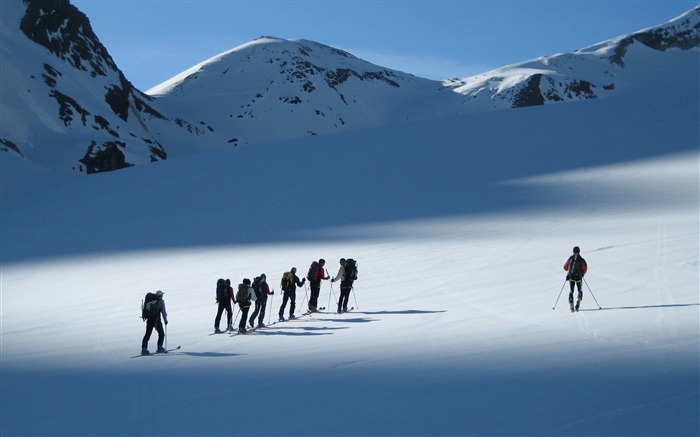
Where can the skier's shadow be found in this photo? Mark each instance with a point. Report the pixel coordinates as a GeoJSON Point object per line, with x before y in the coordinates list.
{"type": "Point", "coordinates": [404, 312]}
{"type": "Point", "coordinates": [644, 307]}
{"type": "Point", "coordinates": [207, 354]}
{"type": "Point", "coordinates": [344, 320]}
{"type": "Point", "coordinates": [300, 331]}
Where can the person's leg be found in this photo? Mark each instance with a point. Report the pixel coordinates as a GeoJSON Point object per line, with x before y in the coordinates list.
{"type": "Point", "coordinates": [217, 320]}
{"type": "Point", "coordinates": [150, 323]}
{"type": "Point", "coordinates": [261, 317]}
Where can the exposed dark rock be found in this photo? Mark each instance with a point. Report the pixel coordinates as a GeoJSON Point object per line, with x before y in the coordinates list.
{"type": "Point", "coordinates": [107, 157]}
{"type": "Point", "coordinates": [530, 94]}
{"type": "Point", "coordinates": [67, 33]}
{"type": "Point", "coordinates": [7, 145]}
{"type": "Point", "coordinates": [66, 106]}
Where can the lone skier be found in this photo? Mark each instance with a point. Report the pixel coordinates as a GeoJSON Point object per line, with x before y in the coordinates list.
{"type": "Point", "coordinates": [575, 267]}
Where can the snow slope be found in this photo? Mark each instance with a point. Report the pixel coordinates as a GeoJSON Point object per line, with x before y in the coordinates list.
{"type": "Point", "coordinates": [461, 226]}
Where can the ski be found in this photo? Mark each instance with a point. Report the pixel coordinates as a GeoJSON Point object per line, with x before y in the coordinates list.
{"type": "Point", "coordinates": [253, 329]}
{"type": "Point", "coordinates": [157, 353]}
{"type": "Point", "coordinates": [222, 332]}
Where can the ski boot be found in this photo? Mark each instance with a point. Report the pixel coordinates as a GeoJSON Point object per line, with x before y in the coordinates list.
{"type": "Point", "coordinates": [161, 350]}
{"type": "Point", "coordinates": [291, 317]}
{"type": "Point", "coordinates": [578, 304]}
{"type": "Point", "coordinates": [217, 331]}
{"type": "Point", "coordinates": [144, 351]}
{"type": "Point", "coordinates": [281, 319]}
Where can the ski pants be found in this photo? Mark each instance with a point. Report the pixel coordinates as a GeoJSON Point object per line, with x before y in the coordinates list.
{"type": "Point", "coordinates": [345, 288]}
{"type": "Point", "coordinates": [290, 296]}
{"type": "Point", "coordinates": [315, 291]}
{"type": "Point", "coordinates": [259, 311]}
{"type": "Point", "coordinates": [572, 284]}
{"type": "Point", "coordinates": [244, 306]}
{"type": "Point", "coordinates": [153, 322]}
{"type": "Point", "coordinates": [223, 306]}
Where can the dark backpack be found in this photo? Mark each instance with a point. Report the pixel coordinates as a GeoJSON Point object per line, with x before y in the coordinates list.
{"type": "Point", "coordinates": [221, 291]}
{"type": "Point", "coordinates": [242, 293]}
{"type": "Point", "coordinates": [575, 270]}
{"type": "Point", "coordinates": [350, 270]}
{"type": "Point", "coordinates": [313, 271]}
{"type": "Point", "coordinates": [257, 288]}
{"type": "Point", "coordinates": [149, 306]}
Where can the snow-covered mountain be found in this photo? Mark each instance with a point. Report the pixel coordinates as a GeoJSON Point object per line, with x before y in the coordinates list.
{"type": "Point", "coordinates": [589, 73]}
{"type": "Point", "coordinates": [66, 106]}
{"type": "Point", "coordinates": [271, 89]}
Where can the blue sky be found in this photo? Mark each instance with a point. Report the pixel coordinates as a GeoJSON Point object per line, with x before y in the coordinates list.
{"type": "Point", "coordinates": [152, 41]}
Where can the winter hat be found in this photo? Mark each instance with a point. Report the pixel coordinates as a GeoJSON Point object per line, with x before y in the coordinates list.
{"type": "Point", "coordinates": [322, 261]}
{"type": "Point", "coordinates": [576, 249]}
{"type": "Point", "coordinates": [246, 281]}
{"type": "Point", "coordinates": [159, 293]}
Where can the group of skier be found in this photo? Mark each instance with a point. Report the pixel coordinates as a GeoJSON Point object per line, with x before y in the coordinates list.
{"type": "Point", "coordinates": [258, 290]}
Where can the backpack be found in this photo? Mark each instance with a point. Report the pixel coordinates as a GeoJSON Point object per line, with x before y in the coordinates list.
{"type": "Point", "coordinates": [350, 270]}
{"type": "Point", "coordinates": [257, 287]}
{"type": "Point", "coordinates": [221, 291]}
{"type": "Point", "coordinates": [242, 293]}
{"type": "Point", "coordinates": [149, 306]}
{"type": "Point", "coordinates": [313, 271]}
{"type": "Point", "coordinates": [575, 270]}
{"type": "Point", "coordinates": [287, 281]}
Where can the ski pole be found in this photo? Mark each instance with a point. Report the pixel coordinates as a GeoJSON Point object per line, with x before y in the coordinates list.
{"type": "Point", "coordinates": [269, 313]}
{"type": "Point", "coordinates": [591, 291]}
{"type": "Point", "coordinates": [236, 318]}
{"type": "Point", "coordinates": [354, 297]}
{"type": "Point", "coordinates": [306, 295]}
{"type": "Point", "coordinates": [329, 297]}
{"type": "Point", "coordinates": [166, 336]}
{"type": "Point", "coordinates": [560, 291]}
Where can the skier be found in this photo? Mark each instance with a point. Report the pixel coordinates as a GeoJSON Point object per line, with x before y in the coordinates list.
{"type": "Point", "coordinates": [576, 267]}
{"type": "Point", "coordinates": [315, 275]}
{"type": "Point", "coordinates": [225, 305]}
{"type": "Point", "coordinates": [346, 281]}
{"type": "Point", "coordinates": [244, 296]}
{"type": "Point", "coordinates": [153, 321]}
{"type": "Point", "coordinates": [262, 290]}
{"type": "Point", "coordinates": [290, 282]}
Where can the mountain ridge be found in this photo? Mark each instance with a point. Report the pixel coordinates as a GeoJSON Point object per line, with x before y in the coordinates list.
{"type": "Point", "coordinates": [66, 105]}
